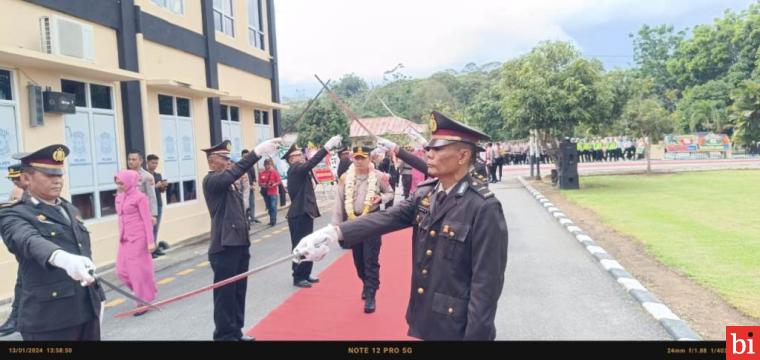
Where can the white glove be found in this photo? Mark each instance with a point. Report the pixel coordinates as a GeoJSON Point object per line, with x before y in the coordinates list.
{"type": "Point", "coordinates": [314, 247]}
{"type": "Point", "coordinates": [387, 144]}
{"type": "Point", "coordinates": [333, 143]}
{"type": "Point", "coordinates": [268, 147]}
{"type": "Point", "coordinates": [77, 267]}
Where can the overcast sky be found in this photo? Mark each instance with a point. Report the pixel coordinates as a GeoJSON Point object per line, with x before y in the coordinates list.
{"type": "Point", "coordinates": [335, 37]}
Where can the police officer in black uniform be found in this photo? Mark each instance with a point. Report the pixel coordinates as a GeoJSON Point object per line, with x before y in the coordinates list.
{"type": "Point", "coordinates": [303, 203]}
{"type": "Point", "coordinates": [228, 251]}
{"type": "Point", "coordinates": [60, 298]}
{"type": "Point", "coordinates": [459, 240]}
{"type": "Point", "coordinates": [9, 326]}
{"type": "Point", "coordinates": [344, 156]}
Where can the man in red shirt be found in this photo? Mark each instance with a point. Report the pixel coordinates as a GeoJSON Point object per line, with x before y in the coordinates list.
{"type": "Point", "coordinates": [270, 179]}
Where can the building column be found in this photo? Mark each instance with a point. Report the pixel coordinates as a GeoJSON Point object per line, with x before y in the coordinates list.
{"type": "Point", "coordinates": [275, 81]}
{"type": "Point", "coordinates": [131, 101]}
{"type": "Point", "coordinates": [212, 74]}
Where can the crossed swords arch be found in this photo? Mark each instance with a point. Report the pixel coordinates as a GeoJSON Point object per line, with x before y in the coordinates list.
{"type": "Point", "coordinates": [290, 257]}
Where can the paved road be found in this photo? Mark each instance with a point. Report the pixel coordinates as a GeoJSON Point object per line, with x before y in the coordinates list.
{"type": "Point", "coordinates": [596, 168]}
{"type": "Point", "coordinates": [555, 290]}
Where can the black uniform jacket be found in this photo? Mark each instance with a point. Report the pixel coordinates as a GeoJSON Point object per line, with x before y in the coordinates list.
{"type": "Point", "coordinates": [459, 257]}
{"type": "Point", "coordinates": [225, 205]}
{"type": "Point", "coordinates": [50, 299]}
{"type": "Point", "coordinates": [300, 188]}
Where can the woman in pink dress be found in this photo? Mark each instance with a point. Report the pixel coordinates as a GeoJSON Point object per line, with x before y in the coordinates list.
{"type": "Point", "coordinates": [134, 264]}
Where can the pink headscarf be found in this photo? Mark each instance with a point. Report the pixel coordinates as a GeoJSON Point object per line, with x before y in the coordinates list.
{"type": "Point", "coordinates": [131, 194]}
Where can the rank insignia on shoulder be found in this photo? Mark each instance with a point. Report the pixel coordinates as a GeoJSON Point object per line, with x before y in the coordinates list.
{"type": "Point", "coordinates": [8, 204]}
{"type": "Point", "coordinates": [485, 193]}
{"type": "Point", "coordinates": [425, 201]}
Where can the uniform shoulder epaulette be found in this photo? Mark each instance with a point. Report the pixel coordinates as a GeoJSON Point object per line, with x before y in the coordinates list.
{"type": "Point", "coordinates": [481, 187]}
{"type": "Point", "coordinates": [476, 175]}
{"type": "Point", "coordinates": [428, 182]}
{"type": "Point", "coordinates": [8, 204]}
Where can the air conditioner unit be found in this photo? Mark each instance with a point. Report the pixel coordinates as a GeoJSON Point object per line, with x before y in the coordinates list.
{"type": "Point", "coordinates": [61, 36]}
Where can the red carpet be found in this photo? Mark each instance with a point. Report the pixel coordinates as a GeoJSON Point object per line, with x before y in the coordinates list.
{"type": "Point", "coordinates": [333, 308]}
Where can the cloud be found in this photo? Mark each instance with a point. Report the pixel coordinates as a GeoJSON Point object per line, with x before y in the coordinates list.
{"type": "Point", "coordinates": [335, 37]}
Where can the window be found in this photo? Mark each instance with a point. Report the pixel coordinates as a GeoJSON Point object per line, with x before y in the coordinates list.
{"type": "Point", "coordinates": [178, 148]}
{"type": "Point", "coordinates": [261, 120]}
{"type": "Point", "coordinates": [183, 107]}
{"type": "Point", "coordinates": [255, 27]}
{"type": "Point", "coordinates": [94, 160]}
{"type": "Point", "coordinates": [108, 202]}
{"type": "Point", "coordinates": [261, 117]}
{"type": "Point", "coordinates": [165, 105]}
{"type": "Point", "coordinates": [100, 96]}
{"type": "Point", "coordinates": [231, 129]}
{"type": "Point", "coordinates": [175, 6]}
{"type": "Point", "coordinates": [76, 88]}
{"type": "Point", "coordinates": [5, 85]}
{"type": "Point", "coordinates": [234, 113]}
{"type": "Point", "coordinates": [223, 17]}
{"type": "Point", "coordinates": [8, 131]}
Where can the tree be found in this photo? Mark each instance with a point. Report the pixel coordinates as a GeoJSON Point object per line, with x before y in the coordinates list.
{"type": "Point", "coordinates": [349, 86]}
{"type": "Point", "coordinates": [644, 116]}
{"type": "Point", "coordinates": [705, 108]}
{"type": "Point", "coordinates": [746, 111]}
{"type": "Point", "coordinates": [653, 47]}
{"type": "Point", "coordinates": [551, 89]}
{"type": "Point", "coordinates": [485, 113]}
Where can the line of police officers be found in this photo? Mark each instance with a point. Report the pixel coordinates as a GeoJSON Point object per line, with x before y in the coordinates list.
{"type": "Point", "coordinates": [459, 240]}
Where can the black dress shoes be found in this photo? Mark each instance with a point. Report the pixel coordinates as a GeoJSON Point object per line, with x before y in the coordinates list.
{"type": "Point", "coordinates": [369, 304]}
{"type": "Point", "coordinates": [247, 338]}
{"type": "Point", "coordinates": [313, 280]}
{"type": "Point", "coordinates": [302, 283]}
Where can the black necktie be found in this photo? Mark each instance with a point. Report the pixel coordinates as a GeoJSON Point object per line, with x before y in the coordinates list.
{"type": "Point", "coordinates": [440, 198]}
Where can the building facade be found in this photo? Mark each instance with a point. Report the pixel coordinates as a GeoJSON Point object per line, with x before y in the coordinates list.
{"type": "Point", "coordinates": [166, 77]}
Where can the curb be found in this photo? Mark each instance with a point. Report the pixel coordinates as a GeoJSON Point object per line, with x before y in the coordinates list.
{"type": "Point", "coordinates": [669, 320]}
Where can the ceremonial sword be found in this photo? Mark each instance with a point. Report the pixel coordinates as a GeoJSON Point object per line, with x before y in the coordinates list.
{"type": "Point", "coordinates": [113, 287]}
{"type": "Point", "coordinates": [226, 281]}
{"type": "Point", "coordinates": [344, 108]}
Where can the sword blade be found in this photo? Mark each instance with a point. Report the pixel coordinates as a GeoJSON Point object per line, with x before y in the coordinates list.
{"type": "Point", "coordinates": [343, 107]}
{"type": "Point", "coordinates": [208, 287]}
{"type": "Point", "coordinates": [303, 113]}
{"type": "Point", "coordinates": [125, 293]}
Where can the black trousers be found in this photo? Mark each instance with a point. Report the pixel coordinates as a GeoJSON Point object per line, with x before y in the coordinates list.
{"type": "Point", "coordinates": [299, 227]}
{"type": "Point", "coordinates": [393, 186]}
{"type": "Point", "coordinates": [229, 300]}
{"type": "Point", "coordinates": [367, 262]}
{"type": "Point", "coordinates": [406, 181]}
{"type": "Point", "coordinates": [16, 296]}
{"type": "Point", "coordinates": [89, 331]}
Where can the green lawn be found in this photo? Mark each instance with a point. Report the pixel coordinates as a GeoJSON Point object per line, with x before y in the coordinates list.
{"type": "Point", "coordinates": [705, 224]}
